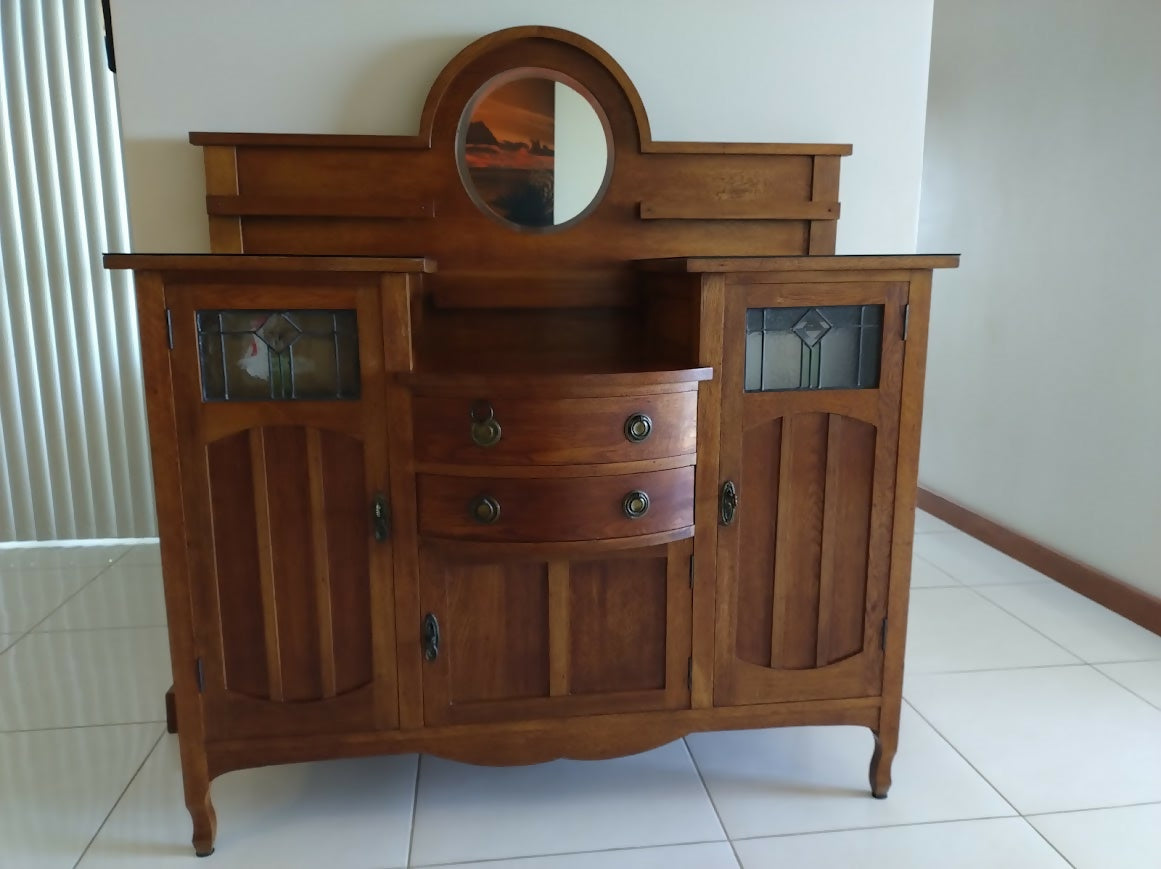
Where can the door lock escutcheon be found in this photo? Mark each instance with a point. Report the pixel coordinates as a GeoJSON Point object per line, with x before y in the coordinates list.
{"type": "Point", "coordinates": [728, 503]}
{"type": "Point", "coordinates": [380, 518]}
{"type": "Point", "coordinates": [430, 637]}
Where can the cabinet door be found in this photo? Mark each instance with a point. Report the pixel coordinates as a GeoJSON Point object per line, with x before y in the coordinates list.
{"type": "Point", "coordinates": [531, 639]}
{"type": "Point", "coordinates": [811, 400]}
{"type": "Point", "coordinates": [283, 453]}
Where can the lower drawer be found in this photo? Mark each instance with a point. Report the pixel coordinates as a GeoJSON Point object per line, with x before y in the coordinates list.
{"type": "Point", "coordinates": [515, 510]}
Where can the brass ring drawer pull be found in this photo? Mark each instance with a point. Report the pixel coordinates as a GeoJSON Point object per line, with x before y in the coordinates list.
{"type": "Point", "coordinates": [485, 431]}
{"type": "Point", "coordinates": [485, 510]}
{"type": "Point", "coordinates": [638, 427]}
{"type": "Point", "coordinates": [635, 505]}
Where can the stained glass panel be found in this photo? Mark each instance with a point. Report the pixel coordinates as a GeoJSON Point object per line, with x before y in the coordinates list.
{"type": "Point", "coordinates": [278, 355]}
{"type": "Point", "coordinates": [832, 347]}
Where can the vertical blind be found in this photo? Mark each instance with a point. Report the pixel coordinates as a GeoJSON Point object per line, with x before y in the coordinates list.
{"type": "Point", "coordinates": [74, 459]}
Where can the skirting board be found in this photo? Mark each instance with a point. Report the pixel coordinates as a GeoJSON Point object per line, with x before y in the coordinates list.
{"type": "Point", "coordinates": [1127, 600]}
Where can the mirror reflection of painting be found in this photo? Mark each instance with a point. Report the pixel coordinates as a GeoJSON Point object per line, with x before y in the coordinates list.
{"type": "Point", "coordinates": [535, 151]}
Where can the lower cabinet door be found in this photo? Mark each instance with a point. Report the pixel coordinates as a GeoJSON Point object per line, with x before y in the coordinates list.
{"type": "Point", "coordinates": [534, 639]}
{"type": "Point", "coordinates": [289, 585]}
{"type": "Point", "coordinates": [810, 426]}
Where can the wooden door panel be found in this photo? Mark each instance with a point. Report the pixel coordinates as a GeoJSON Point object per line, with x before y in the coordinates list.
{"type": "Point", "coordinates": [291, 565]}
{"type": "Point", "coordinates": [235, 570]}
{"type": "Point", "coordinates": [803, 576]}
{"type": "Point", "coordinates": [762, 459]}
{"type": "Point", "coordinates": [617, 625]}
{"type": "Point", "coordinates": [495, 630]}
{"type": "Point", "coordinates": [848, 496]}
{"type": "Point", "coordinates": [798, 542]}
{"type": "Point", "coordinates": [522, 639]}
{"type": "Point", "coordinates": [805, 566]}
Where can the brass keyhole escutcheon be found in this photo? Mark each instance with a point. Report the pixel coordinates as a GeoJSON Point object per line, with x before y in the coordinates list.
{"type": "Point", "coordinates": [430, 637]}
{"type": "Point", "coordinates": [728, 503]}
{"type": "Point", "coordinates": [636, 504]}
{"type": "Point", "coordinates": [485, 510]}
{"type": "Point", "coordinates": [485, 431]}
{"type": "Point", "coordinates": [380, 520]}
{"type": "Point", "coordinates": [638, 427]}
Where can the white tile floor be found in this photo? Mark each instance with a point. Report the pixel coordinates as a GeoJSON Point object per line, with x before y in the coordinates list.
{"type": "Point", "coordinates": [1031, 738]}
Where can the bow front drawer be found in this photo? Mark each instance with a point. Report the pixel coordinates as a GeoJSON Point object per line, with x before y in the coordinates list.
{"type": "Point", "coordinates": [558, 509]}
{"type": "Point", "coordinates": [504, 430]}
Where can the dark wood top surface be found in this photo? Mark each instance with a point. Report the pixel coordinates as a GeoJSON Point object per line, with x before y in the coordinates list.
{"type": "Point", "coordinates": [799, 263]}
{"type": "Point", "coordinates": [340, 140]}
{"type": "Point", "coordinates": [256, 263]}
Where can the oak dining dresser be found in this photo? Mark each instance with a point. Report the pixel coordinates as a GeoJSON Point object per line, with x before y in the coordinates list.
{"type": "Point", "coordinates": [527, 436]}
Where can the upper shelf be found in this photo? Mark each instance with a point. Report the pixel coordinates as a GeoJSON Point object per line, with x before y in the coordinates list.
{"type": "Point", "coordinates": [210, 262]}
{"type": "Point", "coordinates": [798, 263]}
{"type": "Point", "coordinates": [345, 141]}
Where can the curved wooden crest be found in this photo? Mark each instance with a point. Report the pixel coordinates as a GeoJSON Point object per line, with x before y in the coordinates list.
{"type": "Point", "coordinates": [403, 195]}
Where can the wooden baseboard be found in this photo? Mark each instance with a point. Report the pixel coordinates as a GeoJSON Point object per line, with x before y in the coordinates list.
{"type": "Point", "coordinates": [1127, 600]}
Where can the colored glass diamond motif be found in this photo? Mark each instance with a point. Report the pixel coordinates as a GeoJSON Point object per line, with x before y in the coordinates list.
{"type": "Point", "coordinates": [811, 327]}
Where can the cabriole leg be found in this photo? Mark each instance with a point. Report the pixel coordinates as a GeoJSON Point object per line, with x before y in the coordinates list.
{"type": "Point", "coordinates": [205, 821]}
{"type": "Point", "coordinates": [196, 778]}
{"type": "Point", "coordinates": [886, 741]}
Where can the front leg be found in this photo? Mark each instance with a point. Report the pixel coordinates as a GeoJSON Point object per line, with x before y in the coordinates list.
{"type": "Point", "coordinates": [886, 742]}
{"type": "Point", "coordinates": [205, 820]}
{"type": "Point", "coordinates": [196, 780]}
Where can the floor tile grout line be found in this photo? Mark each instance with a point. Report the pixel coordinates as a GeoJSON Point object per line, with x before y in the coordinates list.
{"type": "Point", "coordinates": [1047, 841]}
{"type": "Point", "coordinates": [978, 593]}
{"type": "Point", "coordinates": [101, 628]}
{"type": "Point", "coordinates": [569, 854]}
{"type": "Point", "coordinates": [80, 588]}
{"type": "Point", "coordinates": [1094, 809]}
{"type": "Point", "coordinates": [120, 797]}
{"type": "Point", "coordinates": [1045, 577]}
{"type": "Point", "coordinates": [82, 726]}
{"type": "Point", "coordinates": [999, 792]}
{"type": "Point", "coordinates": [916, 672]}
{"type": "Point", "coordinates": [956, 582]}
{"type": "Point", "coordinates": [414, 809]}
{"type": "Point", "coordinates": [962, 756]}
{"type": "Point", "coordinates": [1002, 608]}
{"type": "Point", "coordinates": [902, 825]}
{"type": "Point", "coordinates": [33, 629]}
{"type": "Point", "coordinates": [49, 614]}
{"type": "Point", "coordinates": [710, 797]}
{"type": "Point", "coordinates": [1119, 684]}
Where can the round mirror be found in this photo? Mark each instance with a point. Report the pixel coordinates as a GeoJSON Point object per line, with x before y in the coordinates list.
{"type": "Point", "coordinates": [534, 150]}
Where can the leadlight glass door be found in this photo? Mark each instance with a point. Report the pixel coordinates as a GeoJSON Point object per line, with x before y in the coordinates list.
{"type": "Point", "coordinates": [810, 419]}
{"type": "Point", "coordinates": [283, 454]}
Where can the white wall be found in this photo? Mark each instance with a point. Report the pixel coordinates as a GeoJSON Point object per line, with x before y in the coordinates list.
{"type": "Point", "coordinates": [1043, 406]}
{"type": "Point", "coordinates": [746, 70]}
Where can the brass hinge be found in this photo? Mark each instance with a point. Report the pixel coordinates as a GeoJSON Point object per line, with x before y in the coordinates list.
{"type": "Point", "coordinates": [169, 326]}
{"type": "Point", "coordinates": [201, 671]}
{"type": "Point", "coordinates": [691, 571]}
{"type": "Point", "coordinates": [689, 674]}
{"type": "Point", "coordinates": [883, 637]}
{"type": "Point", "coordinates": [906, 320]}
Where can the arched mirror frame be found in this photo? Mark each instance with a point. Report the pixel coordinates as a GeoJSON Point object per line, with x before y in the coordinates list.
{"type": "Point", "coordinates": [563, 56]}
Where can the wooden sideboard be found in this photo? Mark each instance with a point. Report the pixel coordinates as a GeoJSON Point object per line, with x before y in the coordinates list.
{"type": "Point", "coordinates": [445, 463]}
